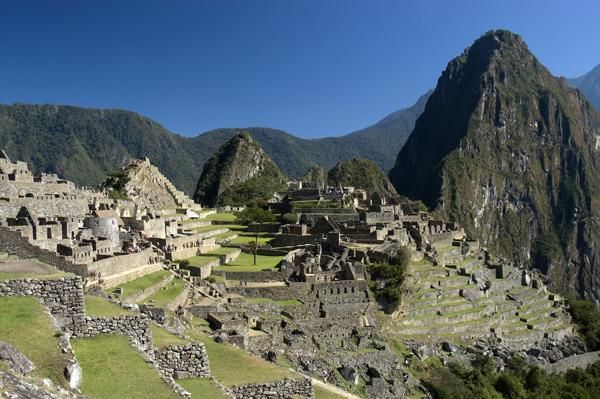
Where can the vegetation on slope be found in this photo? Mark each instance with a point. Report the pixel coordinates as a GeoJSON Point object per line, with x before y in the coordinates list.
{"type": "Point", "coordinates": [518, 382]}
{"type": "Point", "coordinates": [387, 279]}
{"type": "Point", "coordinates": [239, 172]}
{"type": "Point", "coordinates": [84, 145]}
{"type": "Point", "coordinates": [361, 173]}
{"type": "Point", "coordinates": [587, 316]}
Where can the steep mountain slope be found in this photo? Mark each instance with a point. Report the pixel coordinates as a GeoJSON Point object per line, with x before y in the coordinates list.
{"type": "Point", "coordinates": [84, 145]}
{"type": "Point", "coordinates": [239, 171]}
{"type": "Point", "coordinates": [361, 173]}
{"type": "Point", "coordinates": [589, 84]}
{"type": "Point", "coordinates": [511, 153]}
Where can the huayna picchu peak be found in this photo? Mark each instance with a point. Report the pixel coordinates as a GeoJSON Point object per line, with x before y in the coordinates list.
{"type": "Point", "coordinates": [239, 171]}
{"type": "Point", "coordinates": [511, 153]}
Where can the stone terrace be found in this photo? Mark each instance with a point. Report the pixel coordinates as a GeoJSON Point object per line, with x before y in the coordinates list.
{"type": "Point", "coordinates": [450, 301]}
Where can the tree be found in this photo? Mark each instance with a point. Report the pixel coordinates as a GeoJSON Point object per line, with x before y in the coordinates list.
{"type": "Point", "coordinates": [258, 216]}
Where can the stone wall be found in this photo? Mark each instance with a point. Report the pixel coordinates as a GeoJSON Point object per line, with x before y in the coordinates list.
{"type": "Point", "coordinates": [284, 389]}
{"type": "Point", "coordinates": [63, 297]}
{"type": "Point", "coordinates": [254, 276]}
{"type": "Point", "coordinates": [119, 264]}
{"type": "Point", "coordinates": [183, 361]}
{"type": "Point", "coordinates": [14, 244]}
{"type": "Point", "coordinates": [136, 328]}
{"type": "Point", "coordinates": [278, 293]}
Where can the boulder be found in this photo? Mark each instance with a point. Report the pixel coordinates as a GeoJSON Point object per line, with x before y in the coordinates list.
{"type": "Point", "coordinates": [74, 375]}
{"type": "Point", "coordinates": [17, 361]}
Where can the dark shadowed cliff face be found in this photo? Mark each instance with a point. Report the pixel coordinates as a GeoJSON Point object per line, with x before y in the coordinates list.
{"type": "Point", "coordinates": [511, 153]}
{"type": "Point", "coordinates": [240, 171]}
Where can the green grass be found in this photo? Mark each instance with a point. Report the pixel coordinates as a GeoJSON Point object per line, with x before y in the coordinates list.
{"type": "Point", "coordinates": [246, 238]}
{"type": "Point", "coordinates": [322, 393]}
{"type": "Point", "coordinates": [50, 273]}
{"type": "Point", "coordinates": [162, 338]}
{"type": "Point", "coordinates": [166, 295]}
{"type": "Point", "coordinates": [202, 388]}
{"type": "Point", "coordinates": [201, 260]}
{"type": "Point", "coordinates": [244, 263]}
{"type": "Point", "coordinates": [280, 302]}
{"type": "Point", "coordinates": [221, 217]}
{"type": "Point", "coordinates": [114, 369]}
{"type": "Point", "coordinates": [139, 284]}
{"type": "Point", "coordinates": [212, 227]}
{"type": "Point", "coordinates": [232, 366]}
{"type": "Point", "coordinates": [222, 251]}
{"type": "Point", "coordinates": [99, 306]}
{"type": "Point", "coordinates": [26, 326]}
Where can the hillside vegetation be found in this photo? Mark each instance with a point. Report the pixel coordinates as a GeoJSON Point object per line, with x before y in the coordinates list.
{"type": "Point", "coordinates": [84, 145]}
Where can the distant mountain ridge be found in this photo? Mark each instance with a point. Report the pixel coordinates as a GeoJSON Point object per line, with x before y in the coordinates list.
{"type": "Point", "coordinates": [589, 85]}
{"type": "Point", "coordinates": [84, 144]}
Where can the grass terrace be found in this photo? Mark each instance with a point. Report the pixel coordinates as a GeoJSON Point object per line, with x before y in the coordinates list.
{"type": "Point", "coordinates": [221, 251]}
{"type": "Point", "coordinates": [26, 326]}
{"type": "Point", "coordinates": [202, 388]}
{"type": "Point", "coordinates": [11, 269]}
{"type": "Point", "coordinates": [100, 306]}
{"type": "Point", "coordinates": [167, 294]}
{"type": "Point", "coordinates": [112, 368]}
{"type": "Point", "coordinates": [221, 217]}
{"type": "Point", "coordinates": [247, 238]}
{"type": "Point", "coordinates": [244, 263]}
{"type": "Point", "coordinates": [213, 227]}
{"type": "Point", "coordinates": [201, 260]}
{"type": "Point", "coordinates": [162, 338]}
{"type": "Point", "coordinates": [139, 284]}
{"type": "Point", "coordinates": [225, 361]}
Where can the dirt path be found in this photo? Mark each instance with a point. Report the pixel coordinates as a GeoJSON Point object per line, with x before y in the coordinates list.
{"type": "Point", "coordinates": [333, 389]}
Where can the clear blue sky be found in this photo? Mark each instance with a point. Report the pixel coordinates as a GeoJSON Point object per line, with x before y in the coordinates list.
{"type": "Point", "coordinates": [312, 68]}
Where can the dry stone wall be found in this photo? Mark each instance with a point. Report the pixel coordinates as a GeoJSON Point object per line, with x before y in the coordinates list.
{"type": "Point", "coordinates": [183, 361]}
{"type": "Point", "coordinates": [285, 389]}
{"type": "Point", "coordinates": [63, 297]}
{"type": "Point", "coordinates": [136, 328]}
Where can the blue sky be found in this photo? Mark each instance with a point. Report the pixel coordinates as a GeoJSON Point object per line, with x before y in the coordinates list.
{"type": "Point", "coordinates": [312, 68]}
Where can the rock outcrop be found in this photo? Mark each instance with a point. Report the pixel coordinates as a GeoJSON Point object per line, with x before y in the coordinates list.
{"type": "Point", "coordinates": [511, 153]}
{"type": "Point", "coordinates": [238, 172]}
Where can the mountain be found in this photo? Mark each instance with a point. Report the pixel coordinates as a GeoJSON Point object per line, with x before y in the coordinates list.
{"type": "Point", "coordinates": [589, 85]}
{"type": "Point", "coordinates": [84, 145]}
{"type": "Point", "coordinates": [238, 172]}
{"type": "Point", "coordinates": [361, 173]}
{"type": "Point", "coordinates": [511, 153]}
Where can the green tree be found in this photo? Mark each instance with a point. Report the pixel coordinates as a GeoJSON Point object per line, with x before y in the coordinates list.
{"type": "Point", "coordinates": [258, 216]}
